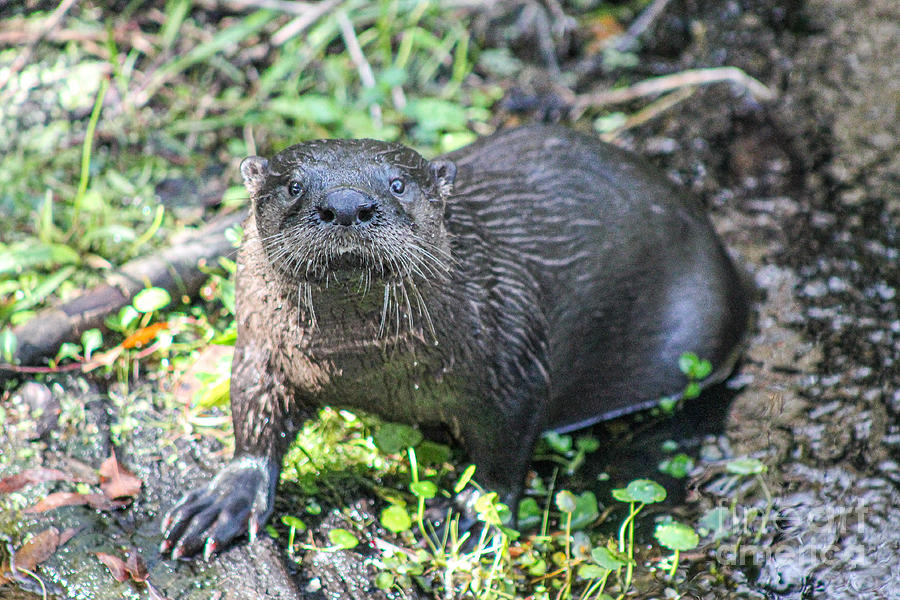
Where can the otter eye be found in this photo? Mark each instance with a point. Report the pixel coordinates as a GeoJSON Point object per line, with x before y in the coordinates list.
{"type": "Point", "coordinates": [295, 188]}
{"type": "Point", "coordinates": [397, 186]}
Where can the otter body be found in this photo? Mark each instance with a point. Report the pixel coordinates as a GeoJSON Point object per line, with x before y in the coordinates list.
{"type": "Point", "coordinates": [536, 279]}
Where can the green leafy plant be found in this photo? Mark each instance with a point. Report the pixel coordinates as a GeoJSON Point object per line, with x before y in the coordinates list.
{"type": "Point", "coordinates": [637, 494]}
{"type": "Point", "coordinates": [696, 370]}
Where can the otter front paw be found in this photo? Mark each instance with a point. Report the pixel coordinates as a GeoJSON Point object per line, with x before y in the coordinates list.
{"type": "Point", "coordinates": [239, 498]}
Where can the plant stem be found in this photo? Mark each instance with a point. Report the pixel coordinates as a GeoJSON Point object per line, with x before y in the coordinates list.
{"type": "Point", "coordinates": [86, 150]}
{"type": "Point", "coordinates": [674, 564]}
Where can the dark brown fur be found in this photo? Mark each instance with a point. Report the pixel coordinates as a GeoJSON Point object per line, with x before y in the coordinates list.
{"type": "Point", "coordinates": [534, 280]}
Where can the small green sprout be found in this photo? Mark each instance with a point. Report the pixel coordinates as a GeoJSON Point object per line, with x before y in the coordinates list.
{"type": "Point", "coordinates": [91, 340]}
{"type": "Point", "coordinates": [696, 369]}
{"type": "Point", "coordinates": [294, 525]}
{"type": "Point", "coordinates": [637, 494]}
{"type": "Point", "coordinates": [744, 467]}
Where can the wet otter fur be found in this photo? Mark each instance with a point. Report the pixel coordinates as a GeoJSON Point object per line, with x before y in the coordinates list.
{"type": "Point", "coordinates": [487, 292]}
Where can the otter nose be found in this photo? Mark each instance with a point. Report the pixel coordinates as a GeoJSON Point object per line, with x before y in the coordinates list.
{"type": "Point", "coordinates": [346, 207]}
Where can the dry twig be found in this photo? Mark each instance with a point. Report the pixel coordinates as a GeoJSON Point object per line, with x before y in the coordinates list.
{"type": "Point", "coordinates": [668, 83]}
{"type": "Point", "coordinates": [628, 40]}
{"type": "Point", "coordinates": [366, 76]}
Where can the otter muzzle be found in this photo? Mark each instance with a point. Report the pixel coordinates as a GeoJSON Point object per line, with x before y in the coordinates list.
{"type": "Point", "coordinates": [346, 207]}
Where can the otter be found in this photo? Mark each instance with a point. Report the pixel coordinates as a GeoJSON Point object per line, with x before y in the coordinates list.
{"type": "Point", "coordinates": [535, 280]}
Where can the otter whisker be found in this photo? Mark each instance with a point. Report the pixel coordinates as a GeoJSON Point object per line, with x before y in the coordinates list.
{"type": "Point", "coordinates": [384, 309]}
{"type": "Point", "coordinates": [409, 312]}
{"type": "Point", "coordinates": [305, 299]}
{"type": "Point", "coordinates": [396, 309]}
{"type": "Point", "coordinates": [423, 309]}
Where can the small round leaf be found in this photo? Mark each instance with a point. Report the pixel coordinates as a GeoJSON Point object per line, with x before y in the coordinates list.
{"type": "Point", "coordinates": [292, 521]}
{"type": "Point", "coordinates": [565, 501]}
{"type": "Point", "coordinates": [745, 466]}
{"type": "Point", "coordinates": [384, 580]}
{"type": "Point", "coordinates": [589, 571]}
{"type": "Point", "coordinates": [586, 510]}
{"type": "Point", "coordinates": [530, 516]}
{"type": "Point", "coordinates": [606, 559]}
{"type": "Point", "coordinates": [343, 538]}
{"type": "Point", "coordinates": [391, 438]}
{"type": "Point", "coordinates": [646, 491]}
{"type": "Point", "coordinates": [676, 536]}
{"type": "Point", "coordinates": [151, 299]}
{"type": "Point", "coordinates": [395, 518]}
{"type": "Point", "coordinates": [677, 466]}
{"type": "Point", "coordinates": [424, 489]}
{"type": "Point", "coordinates": [559, 443]}
{"type": "Point", "coordinates": [91, 340]}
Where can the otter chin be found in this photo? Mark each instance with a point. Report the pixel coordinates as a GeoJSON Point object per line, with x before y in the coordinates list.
{"type": "Point", "coordinates": [485, 292]}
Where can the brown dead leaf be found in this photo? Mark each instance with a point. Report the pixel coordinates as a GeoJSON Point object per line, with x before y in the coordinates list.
{"type": "Point", "coordinates": [136, 567]}
{"type": "Point", "coordinates": [34, 552]}
{"type": "Point", "coordinates": [58, 499]}
{"type": "Point", "coordinates": [116, 481]}
{"type": "Point", "coordinates": [133, 568]}
{"type": "Point", "coordinates": [27, 477]}
{"type": "Point", "coordinates": [115, 565]}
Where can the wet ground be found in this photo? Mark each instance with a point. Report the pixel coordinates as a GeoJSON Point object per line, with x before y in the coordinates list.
{"type": "Point", "coordinates": [806, 192]}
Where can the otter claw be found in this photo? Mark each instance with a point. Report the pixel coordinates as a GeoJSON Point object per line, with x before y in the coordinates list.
{"type": "Point", "coordinates": [178, 552]}
{"type": "Point", "coordinates": [209, 548]}
{"type": "Point", "coordinates": [253, 527]}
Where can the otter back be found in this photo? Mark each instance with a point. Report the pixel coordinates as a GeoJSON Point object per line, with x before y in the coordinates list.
{"type": "Point", "coordinates": [630, 273]}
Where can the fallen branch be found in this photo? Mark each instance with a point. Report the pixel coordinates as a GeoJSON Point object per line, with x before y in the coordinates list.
{"type": "Point", "coordinates": [177, 269]}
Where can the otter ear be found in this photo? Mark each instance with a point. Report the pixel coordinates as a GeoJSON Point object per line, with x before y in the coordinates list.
{"type": "Point", "coordinates": [443, 171]}
{"type": "Point", "coordinates": [253, 170]}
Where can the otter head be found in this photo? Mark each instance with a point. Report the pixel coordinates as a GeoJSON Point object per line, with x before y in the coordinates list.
{"type": "Point", "coordinates": [327, 208]}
